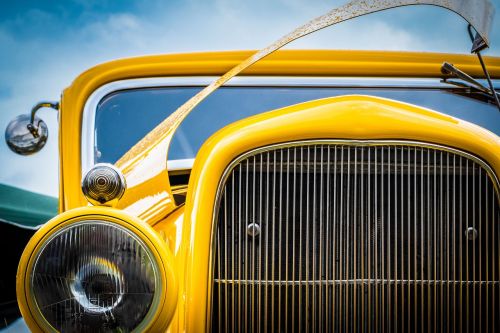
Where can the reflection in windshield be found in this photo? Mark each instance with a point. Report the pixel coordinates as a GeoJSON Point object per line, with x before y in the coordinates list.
{"type": "Point", "coordinates": [125, 117]}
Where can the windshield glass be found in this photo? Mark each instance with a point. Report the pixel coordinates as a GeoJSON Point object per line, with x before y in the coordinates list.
{"type": "Point", "coordinates": [124, 117]}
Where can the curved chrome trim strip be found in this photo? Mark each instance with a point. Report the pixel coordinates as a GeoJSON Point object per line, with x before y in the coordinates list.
{"type": "Point", "coordinates": [21, 226]}
{"type": "Point", "coordinates": [178, 165]}
{"type": "Point", "coordinates": [358, 143]}
{"type": "Point", "coordinates": [88, 117]}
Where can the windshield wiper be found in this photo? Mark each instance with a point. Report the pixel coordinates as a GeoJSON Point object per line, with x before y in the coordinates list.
{"type": "Point", "coordinates": [468, 81]}
{"type": "Point", "coordinates": [478, 44]}
{"type": "Point", "coordinates": [450, 70]}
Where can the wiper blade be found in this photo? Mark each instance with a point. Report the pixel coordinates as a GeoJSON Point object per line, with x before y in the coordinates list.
{"type": "Point", "coordinates": [450, 70]}
{"type": "Point", "coordinates": [468, 82]}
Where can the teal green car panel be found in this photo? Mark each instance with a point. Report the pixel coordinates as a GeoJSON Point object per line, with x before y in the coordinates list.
{"type": "Point", "coordinates": [24, 208]}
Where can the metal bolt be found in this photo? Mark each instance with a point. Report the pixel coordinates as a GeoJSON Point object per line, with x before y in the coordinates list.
{"type": "Point", "coordinates": [253, 229]}
{"type": "Point", "coordinates": [471, 233]}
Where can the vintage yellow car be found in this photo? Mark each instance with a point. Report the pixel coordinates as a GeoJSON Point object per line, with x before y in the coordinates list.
{"type": "Point", "coordinates": [318, 191]}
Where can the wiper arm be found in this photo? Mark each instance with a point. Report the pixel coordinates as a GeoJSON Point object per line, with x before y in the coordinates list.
{"type": "Point", "coordinates": [450, 70]}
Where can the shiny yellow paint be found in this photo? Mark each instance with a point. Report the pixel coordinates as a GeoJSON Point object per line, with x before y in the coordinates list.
{"type": "Point", "coordinates": [149, 196]}
{"type": "Point", "coordinates": [159, 318]}
{"type": "Point", "coordinates": [159, 139]}
{"type": "Point", "coordinates": [186, 230]}
{"type": "Point", "coordinates": [345, 117]}
{"type": "Point", "coordinates": [171, 230]}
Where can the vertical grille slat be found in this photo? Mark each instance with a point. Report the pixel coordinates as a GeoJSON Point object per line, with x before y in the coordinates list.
{"type": "Point", "coordinates": [326, 236]}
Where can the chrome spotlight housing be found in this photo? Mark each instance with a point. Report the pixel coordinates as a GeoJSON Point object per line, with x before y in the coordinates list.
{"type": "Point", "coordinates": [104, 184]}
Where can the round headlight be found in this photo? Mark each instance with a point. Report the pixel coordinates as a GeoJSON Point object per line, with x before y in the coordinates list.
{"type": "Point", "coordinates": [94, 276]}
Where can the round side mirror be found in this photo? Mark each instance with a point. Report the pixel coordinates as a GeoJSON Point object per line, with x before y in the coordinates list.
{"type": "Point", "coordinates": [24, 137]}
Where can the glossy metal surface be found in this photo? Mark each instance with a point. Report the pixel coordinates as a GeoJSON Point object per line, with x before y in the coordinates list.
{"type": "Point", "coordinates": [44, 104]}
{"type": "Point", "coordinates": [187, 230]}
{"type": "Point", "coordinates": [163, 309]}
{"type": "Point", "coordinates": [26, 136]}
{"type": "Point", "coordinates": [95, 276]}
{"type": "Point", "coordinates": [449, 69]}
{"type": "Point", "coordinates": [151, 199]}
{"type": "Point", "coordinates": [352, 239]}
{"type": "Point", "coordinates": [348, 117]}
{"type": "Point", "coordinates": [479, 14]}
{"type": "Point", "coordinates": [104, 185]}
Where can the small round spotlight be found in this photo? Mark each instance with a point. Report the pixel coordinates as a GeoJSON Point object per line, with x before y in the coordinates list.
{"type": "Point", "coordinates": [103, 185]}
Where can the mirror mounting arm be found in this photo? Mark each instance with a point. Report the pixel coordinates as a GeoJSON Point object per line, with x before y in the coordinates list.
{"type": "Point", "coordinates": [45, 104]}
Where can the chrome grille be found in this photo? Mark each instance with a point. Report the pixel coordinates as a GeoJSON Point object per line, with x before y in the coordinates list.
{"type": "Point", "coordinates": [329, 236]}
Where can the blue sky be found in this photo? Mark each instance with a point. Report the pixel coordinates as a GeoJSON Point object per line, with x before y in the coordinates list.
{"type": "Point", "coordinates": [45, 44]}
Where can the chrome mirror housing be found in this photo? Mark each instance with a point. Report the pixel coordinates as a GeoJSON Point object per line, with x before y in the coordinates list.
{"type": "Point", "coordinates": [27, 134]}
{"type": "Point", "coordinates": [25, 138]}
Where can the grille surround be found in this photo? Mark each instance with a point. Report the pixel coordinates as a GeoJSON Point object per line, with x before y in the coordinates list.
{"type": "Point", "coordinates": [325, 142]}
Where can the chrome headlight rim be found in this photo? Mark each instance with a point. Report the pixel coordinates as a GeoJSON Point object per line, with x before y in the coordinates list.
{"type": "Point", "coordinates": [163, 304]}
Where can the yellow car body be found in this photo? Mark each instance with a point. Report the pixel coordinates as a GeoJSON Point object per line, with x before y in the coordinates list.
{"type": "Point", "coordinates": [183, 234]}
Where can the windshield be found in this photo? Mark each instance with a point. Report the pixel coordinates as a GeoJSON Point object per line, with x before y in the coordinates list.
{"type": "Point", "coordinates": [125, 117]}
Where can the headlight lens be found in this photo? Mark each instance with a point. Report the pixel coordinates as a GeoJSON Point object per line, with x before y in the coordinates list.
{"type": "Point", "coordinates": [95, 276]}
